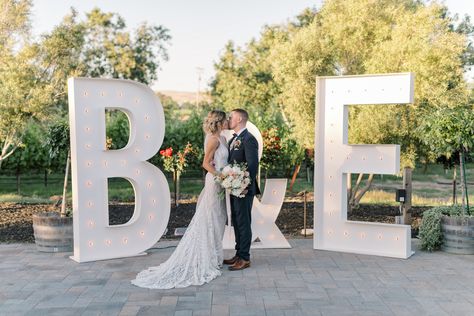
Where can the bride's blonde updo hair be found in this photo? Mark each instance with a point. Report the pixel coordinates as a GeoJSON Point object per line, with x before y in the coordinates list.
{"type": "Point", "coordinates": [214, 120]}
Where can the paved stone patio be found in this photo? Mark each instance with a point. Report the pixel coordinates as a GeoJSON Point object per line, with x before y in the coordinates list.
{"type": "Point", "coordinates": [298, 281]}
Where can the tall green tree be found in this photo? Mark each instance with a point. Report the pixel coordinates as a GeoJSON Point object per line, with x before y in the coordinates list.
{"type": "Point", "coordinates": [363, 36]}
{"type": "Point", "coordinates": [33, 75]}
{"type": "Point", "coordinates": [385, 36]}
{"type": "Point", "coordinates": [111, 51]}
{"type": "Point", "coordinates": [448, 131]}
{"type": "Point", "coordinates": [244, 76]}
{"type": "Point", "coordinates": [14, 25]}
{"type": "Point", "coordinates": [29, 82]}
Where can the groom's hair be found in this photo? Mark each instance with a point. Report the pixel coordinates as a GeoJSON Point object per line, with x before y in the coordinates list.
{"type": "Point", "coordinates": [243, 114]}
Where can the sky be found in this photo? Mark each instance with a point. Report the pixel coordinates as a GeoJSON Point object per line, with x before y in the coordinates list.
{"type": "Point", "coordinates": [199, 28]}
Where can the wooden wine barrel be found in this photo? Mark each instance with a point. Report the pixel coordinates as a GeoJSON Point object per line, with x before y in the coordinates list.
{"type": "Point", "coordinates": [458, 233]}
{"type": "Point", "coordinates": [53, 233]}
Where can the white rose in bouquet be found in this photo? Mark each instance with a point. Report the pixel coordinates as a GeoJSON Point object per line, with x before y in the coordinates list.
{"type": "Point", "coordinates": [227, 183]}
{"type": "Point", "coordinates": [234, 178]}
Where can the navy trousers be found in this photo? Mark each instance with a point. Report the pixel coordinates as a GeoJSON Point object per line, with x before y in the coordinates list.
{"type": "Point", "coordinates": [241, 212]}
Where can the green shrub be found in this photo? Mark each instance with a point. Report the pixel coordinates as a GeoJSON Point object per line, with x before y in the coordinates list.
{"type": "Point", "coordinates": [430, 228]}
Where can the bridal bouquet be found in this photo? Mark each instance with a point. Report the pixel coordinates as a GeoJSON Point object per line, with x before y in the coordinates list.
{"type": "Point", "coordinates": [235, 178]}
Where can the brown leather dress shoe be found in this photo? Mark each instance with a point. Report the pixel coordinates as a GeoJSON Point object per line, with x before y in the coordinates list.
{"type": "Point", "coordinates": [231, 261]}
{"type": "Point", "coordinates": [240, 265]}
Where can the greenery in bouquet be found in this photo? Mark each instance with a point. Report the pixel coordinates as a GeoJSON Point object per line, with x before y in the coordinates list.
{"type": "Point", "coordinates": [235, 178]}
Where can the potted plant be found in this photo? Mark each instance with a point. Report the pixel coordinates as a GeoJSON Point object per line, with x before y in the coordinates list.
{"type": "Point", "coordinates": [54, 231]}
{"type": "Point", "coordinates": [447, 131]}
{"type": "Point", "coordinates": [434, 227]}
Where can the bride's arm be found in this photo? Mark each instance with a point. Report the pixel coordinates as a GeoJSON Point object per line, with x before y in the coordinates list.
{"type": "Point", "coordinates": [209, 151]}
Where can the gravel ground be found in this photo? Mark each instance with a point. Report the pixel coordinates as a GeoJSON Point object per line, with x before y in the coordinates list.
{"type": "Point", "coordinates": [16, 219]}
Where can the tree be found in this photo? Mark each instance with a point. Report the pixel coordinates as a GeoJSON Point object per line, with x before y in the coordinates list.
{"type": "Point", "coordinates": [111, 51]}
{"type": "Point", "coordinates": [422, 42]}
{"type": "Point", "coordinates": [244, 78]}
{"type": "Point", "coordinates": [363, 36]}
{"type": "Point", "coordinates": [33, 76]}
{"type": "Point", "coordinates": [14, 22]}
{"type": "Point", "coordinates": [450, 130]}
{"type": "Point", "coordinates": [31, 157]}
{"type": "Point", "coordinates": [57, 140]}
{"type": "Point", "coordinates": [357, 37]}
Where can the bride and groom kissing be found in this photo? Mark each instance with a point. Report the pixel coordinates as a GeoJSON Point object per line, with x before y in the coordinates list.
{"type": "Point", "coordinates": [199, 256]}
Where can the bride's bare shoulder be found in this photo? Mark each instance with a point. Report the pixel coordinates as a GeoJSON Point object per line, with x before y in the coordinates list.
{"type": "Point", "coordinates": [212, 140]}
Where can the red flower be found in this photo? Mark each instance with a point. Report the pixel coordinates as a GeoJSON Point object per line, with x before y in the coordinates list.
{"type": "Point", "coordinates": [168, 152]}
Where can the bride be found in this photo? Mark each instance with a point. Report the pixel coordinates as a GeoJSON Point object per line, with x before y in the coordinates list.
{"type": "Point", "coordinates": [199, 255]}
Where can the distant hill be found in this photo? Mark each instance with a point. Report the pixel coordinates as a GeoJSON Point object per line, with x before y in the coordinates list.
{"type": "Point", "coordinates": [185, 96]}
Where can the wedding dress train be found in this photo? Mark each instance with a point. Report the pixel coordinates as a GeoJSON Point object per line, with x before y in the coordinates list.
{"type": "Point", "coordinates": [199, 255]}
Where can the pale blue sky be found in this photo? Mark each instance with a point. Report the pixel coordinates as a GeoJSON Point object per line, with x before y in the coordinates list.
{"type": "Point", "coordinates": [199, 29]}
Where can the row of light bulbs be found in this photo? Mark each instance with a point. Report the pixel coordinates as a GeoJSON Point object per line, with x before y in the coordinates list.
{"type": "Point", "coordinates": [108, 242]}
{"type": "Point", "coordinates": [362, 235]}
{"type": "Point", "coordinates": [365, 90]}
{"type": "Point", "coordinates": [348, 157]}
{"type": "Point", "coordinates": [89, 184]}
{"type": "Point", "coordinates": [104, 94]}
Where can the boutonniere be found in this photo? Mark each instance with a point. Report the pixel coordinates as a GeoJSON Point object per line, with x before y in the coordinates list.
{"type": "Point", "coordinates": [236, 144]}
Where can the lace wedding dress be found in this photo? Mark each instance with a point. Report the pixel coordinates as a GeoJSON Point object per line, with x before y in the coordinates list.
{"type": "Point", "coordinates": [199, 255]}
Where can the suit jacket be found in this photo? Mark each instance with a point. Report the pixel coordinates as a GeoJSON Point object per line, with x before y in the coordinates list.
{"type": "Point", "coordinates": [245, 149]}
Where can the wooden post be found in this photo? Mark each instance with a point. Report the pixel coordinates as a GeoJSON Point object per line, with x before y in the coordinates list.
{"type": "Point", "coordinates": [349, 192]}
{"type": "Point", "coordinates": [465, 197]}
{"type": "Point", "coordinates": [66, 175]}
{"type": "Point", "coordinates": [407, 184]}
{"type": "Point", "coordinates": [455, 200]}
{"type": "Point", "coordinates": [304, 210]}
{"type": "Point", "coordinates": [176, 189]}
{"type": "Point", "coordinates": [18, 181]}
{"type": "Point", "coordinates": [293, 179]}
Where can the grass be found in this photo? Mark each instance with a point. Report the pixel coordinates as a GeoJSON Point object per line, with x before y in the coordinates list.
{"type": "Point", "coordinates": [15, 198]}
{"type": "Point", "coordinates": [427, 187]}
{"type": "Point", "coordinates": [433, 187]}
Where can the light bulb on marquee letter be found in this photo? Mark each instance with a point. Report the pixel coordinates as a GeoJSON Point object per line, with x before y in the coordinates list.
{"type": "Point", "coordinates": [89, 181]}
{"type": "Point", "coordinates": [335, 159]}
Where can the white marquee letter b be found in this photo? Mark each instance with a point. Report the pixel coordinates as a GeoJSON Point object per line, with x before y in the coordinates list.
{"type": "Point", "coordinates": [92, 165]}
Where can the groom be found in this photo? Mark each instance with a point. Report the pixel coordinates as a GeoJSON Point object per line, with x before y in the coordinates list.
{"type": "Point", "coordinates": [243, 148]}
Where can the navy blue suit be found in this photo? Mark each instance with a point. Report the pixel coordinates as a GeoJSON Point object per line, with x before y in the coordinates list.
{"type": "Point", "coordinates": [245, 150]}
